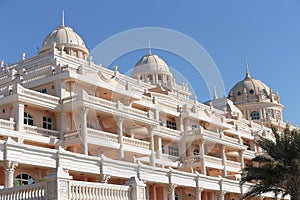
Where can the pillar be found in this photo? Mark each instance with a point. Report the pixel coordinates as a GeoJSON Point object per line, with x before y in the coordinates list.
{"type": "Point", "coordinates": [9, 169]}
{"type": "Point", "coordinates": [241, 154]}
{"type": "Point", "coordinates": [57, 185]}
{"type": "Point", "coordinates": [19, 116]}
{"type": "Point", "coordinates": [221, 195]}
{"type": "Point", "coordinates": [137, 188]}
{"type": "Point", "coordinates": [83, 116]}
{"type": "Point", "coordinates": [61, 123]}
{"type": "Point", "coordinates": [159, 149]}
{"type": "Point", "coordinates": [60, 88]}
{"type": "Point", "coordinates": [151, 139]}
{"type": "Point", "coordinates": [120, 134]}
{"type": "Point", "coordinates": [202, 156]}
{"type": "Point", "coordinates": [198, 189]}
{"type": "Point", "coordinates": [72, 88]}
{"type": "Point", "coordinates": [172, 191]}
{"type": "Point", "coordinates": [223, 155]}
{"type": "Point", "coordinates": [198, 192]}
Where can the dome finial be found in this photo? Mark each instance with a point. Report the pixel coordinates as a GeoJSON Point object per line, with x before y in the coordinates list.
{"type": "Point", "coordinates": [247, 69]}
{"type": "Point", "coordinates": [63, 18]}
{"type": "Point", "coordinates": [149, 47]}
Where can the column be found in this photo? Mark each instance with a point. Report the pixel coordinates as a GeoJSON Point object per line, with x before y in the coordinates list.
{"type": "Point", "coordinates": [223, 155]}
{"type": "Point", "coordinates": [137, 188]}
{"type": "Point", "coordinates": [159, 150]}
{"type": "Point", "coordinates": [61, 123]}
{"type": "Point", "coordinates": [202, 156]}
{"type": "Point", "coordinates": [221, 195]}
{"type": "Point", "coordinates": [172, 191]}
{"type": "Point", "coordinates": [198, 189]}
{"type": "Point", "coordinates": [9, 169]}
{"type": "Point", "coordinates": [151, 139]}
{"type": "Point", "coordinates": [19, 116]}
{"type": "Point", "coordinates": [154, 191]}
{"type": "Point", "coordinates": [198, 192]}
{"type": "Point", "coordinates": [60, 88]}
{"type": "Point", "coordinates": [72, 88]}
{"type": "Point", "coordinates": [83, 116]}
{"type": "Point", "coordinates": [241, 154]}
{"type": "Point", "coordinates": [120, 134]}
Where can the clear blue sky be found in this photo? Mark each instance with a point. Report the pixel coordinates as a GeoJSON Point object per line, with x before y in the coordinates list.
{"type": "Point", "coordinates": [266, 32]}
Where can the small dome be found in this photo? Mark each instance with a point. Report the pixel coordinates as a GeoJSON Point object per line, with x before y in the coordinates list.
{"type": "Point", "coordinates": [64, 37]}
{"type": "Point", "coordinates": [152, 67]}
{"type": "Point", "coordinates": [253, 89]}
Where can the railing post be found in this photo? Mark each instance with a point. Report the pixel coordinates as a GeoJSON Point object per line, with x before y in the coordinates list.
{"type": "Point", "coordinates": [57, 185]}
{"type": "Point", "coordinates": [137, 188]}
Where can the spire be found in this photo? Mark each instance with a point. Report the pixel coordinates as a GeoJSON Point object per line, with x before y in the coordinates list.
{"type": "Point", "coordinates": [215, 93]}
{"type": "Point", "coordinates": [63, 18]}
{"type": "Point", "coordinates": [149, 47]}
{"type": "Point", "coordinates": [247, 70]}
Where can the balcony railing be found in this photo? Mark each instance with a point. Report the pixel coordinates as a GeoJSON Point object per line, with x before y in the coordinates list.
{"type": "Point", "coordinates": [34, 191]}
{"type": "Point", "coordinates": [109, 137]}
{"type": "Point", "coordinates": [79, 190]}
{"type": "Point", "coordinates": [6, 124]}
{"type": "Point", "coordinates": [34, 130]}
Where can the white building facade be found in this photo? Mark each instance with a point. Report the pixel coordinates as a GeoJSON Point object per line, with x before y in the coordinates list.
{"type": "Point", "coordinates": [72, 129]}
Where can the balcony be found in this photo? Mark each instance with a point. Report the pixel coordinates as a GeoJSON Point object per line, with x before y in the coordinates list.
{"type": "Point", "coordinates": [103, 138]}
{"type": "Point", "coordinates": [19, 93]}
{"type": "Point", "coordinates": [34, 130]}
{"type": "Point", "coordinates": [6, 124]}
{"type": "Point", "coordinates": [109, 107]}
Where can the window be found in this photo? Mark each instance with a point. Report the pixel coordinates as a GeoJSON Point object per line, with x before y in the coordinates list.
{"type": "Point", "coordinates": [251, 91]}
{"type": "Point", "coordinates": [264, 92]}
{"type": "Point", "coordinates": [47, 123]}
{"type": "Point", "coordinates": [171, 125]}
{"type": "Point", "coordinates": [194, 127]}
{"type": "Point", "coordinates": [196, 152]}
{"type": "Point", "coordinates": [162, 149]}
{"type": "Point", "coordinates": [269, 114]}
{"type": "Point", "coordinates": [24, 179]}
{"type": "Point", "coordinates": [173, 151]}
{"type": "Point", "coordinates": [254, 115]}
{"type": "Point", "coordinates": [28, 119]}
{"type": "Point", "coordinates": [44, 90]}
{"type": "Point", "coordinates": [239, 93]}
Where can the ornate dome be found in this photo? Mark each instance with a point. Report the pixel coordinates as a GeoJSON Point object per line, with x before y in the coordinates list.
{"type": "Point", "coordinates": [64, 38]}
{"type": "Point", "coordinates": [151, 68]}
{"type": "Point", "coordinates": [251, 89]}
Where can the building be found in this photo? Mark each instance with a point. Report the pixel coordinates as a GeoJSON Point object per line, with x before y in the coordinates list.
{"type": "Point", "coordinates": [71, 129]}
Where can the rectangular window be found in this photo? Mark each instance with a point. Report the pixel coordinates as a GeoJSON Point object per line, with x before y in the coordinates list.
{"type": "Point", "coordinates": [173, 151]}
{"type": "Point", "coordinates": [47, 123]}
{"type": "Point", "coordinates": [44, 90]}
{"type": "Point", "coordinates": [171, 125]}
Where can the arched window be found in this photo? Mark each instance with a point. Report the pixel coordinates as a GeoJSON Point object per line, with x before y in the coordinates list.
{"type": "Point", "coordinates": [24, 179]}
{"type": "Point", "coordinates": [28, 119]}
{"type": "Point", "coordinates": [196, 152]}
{"type": "Point", "coordinates": [254, 115]}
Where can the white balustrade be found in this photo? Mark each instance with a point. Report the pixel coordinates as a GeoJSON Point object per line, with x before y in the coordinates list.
{"type": "Point", "coordinates": [40, 131]}
{"type": "Point", "coordinates": [136, 143]}
{"type": "Point", "coordinates": [6, 124]}
{"type": "Point", "coordinates": [35, 192]}
{"type": "Point", "coordinates": [102, 135]}
{"type": "Point", "coordinates": [80, 190]}
{"type": "Point", "coordinates": [213, 160]}
{"type": "Point", "coordinates": [32, 93]}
